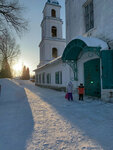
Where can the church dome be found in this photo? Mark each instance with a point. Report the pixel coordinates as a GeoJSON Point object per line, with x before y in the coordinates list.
{"type": "Point", "coordinates": [53, 2]}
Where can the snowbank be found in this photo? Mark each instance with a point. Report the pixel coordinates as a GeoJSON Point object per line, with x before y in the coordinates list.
{"type": "Point", "coordinates": [16, 120]}
{"type": "Point", "coordinates": [10, 90]}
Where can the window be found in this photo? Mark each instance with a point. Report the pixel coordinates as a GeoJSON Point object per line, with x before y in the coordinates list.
{"type": "Point", "coordinates": [89, 15]}
{"type": "Point", "coordinates": [54, 31]}
{"type": "Point", "coordinates": [43, 78]}
{"type": "Point", "coordinates": [54, 52]}
{"type": "Point", "coordinates": [48, 78]}
{"type": "Point", "coordinates": [39, 78]}
{"type": "Point", "coordinates": [58, 77]}
{"type": "Point", "coordinates": [53, 13]}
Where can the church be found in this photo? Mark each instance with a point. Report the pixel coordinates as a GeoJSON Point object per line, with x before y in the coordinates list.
{"type": "Point", "coordinates": [87, 56]}
{"type": "Point", "coordinates": [51, 71]}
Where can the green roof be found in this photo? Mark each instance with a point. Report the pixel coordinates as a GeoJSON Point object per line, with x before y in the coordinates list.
{"type": "Point", "coordinates": [74, 48]}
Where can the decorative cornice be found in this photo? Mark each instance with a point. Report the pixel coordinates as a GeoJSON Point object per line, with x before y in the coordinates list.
{"type": "Point", "coordinates": [51, 18]}
{"type": "Point", "coordinates": [52, 39]}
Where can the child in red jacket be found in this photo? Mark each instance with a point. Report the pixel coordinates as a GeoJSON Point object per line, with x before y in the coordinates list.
{"type": "Point", "coordinates": [81, 91]}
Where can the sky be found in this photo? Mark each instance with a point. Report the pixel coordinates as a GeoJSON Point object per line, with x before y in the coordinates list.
{"type": "Point", "coordinates": [29, 42]}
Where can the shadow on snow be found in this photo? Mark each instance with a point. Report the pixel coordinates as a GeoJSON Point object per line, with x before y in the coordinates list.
{"type": "Point", "coordinates": [93, 118]}
{"type": "Point", "coordinates": [16, 120]}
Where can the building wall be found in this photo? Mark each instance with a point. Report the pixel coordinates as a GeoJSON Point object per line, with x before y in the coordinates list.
{"type": "Point", "coordinates": [55, 67]}
{"type": "Point", "coordinates": [49, 7]}
{"type": "Point", "coordinates": [107, 95]}
{"type": "Point", "coordinates": [54, 44]}
{"type": "Point", "coordinates": [49, 21]}
{"type": "Point", "coordinates": [103, 29]}
{"type": "Point", "coordinates": [48, 42]}
{"type": "Point", "coordinates": [103, 20]}
{"type": "Point", "coordinates": [47, 25]}
{"type": "Point", "coordinates": [46, 49]}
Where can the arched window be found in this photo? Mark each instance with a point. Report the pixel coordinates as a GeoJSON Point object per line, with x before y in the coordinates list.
{"type": "Point", "coordinates": [54, 31]}
{"type": "Point", "coordinates": [53, 13]}
{"type": "Point", "coordinates": [54, 52]}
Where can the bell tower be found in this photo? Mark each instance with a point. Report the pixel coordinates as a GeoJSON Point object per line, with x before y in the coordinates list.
{"type": "Point", "coordinates": [52, 44]}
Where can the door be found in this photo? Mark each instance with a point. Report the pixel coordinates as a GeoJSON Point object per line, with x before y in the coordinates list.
{"type": "Point", "coordinates": [92, 78]}
{"type": "Point", "coordinates": [107, 69]}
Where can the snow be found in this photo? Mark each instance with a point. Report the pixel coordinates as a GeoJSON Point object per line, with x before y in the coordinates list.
{"type": "Point", "coordinates": [34, 118]}
{"type": "Point", "coordinates": [49, 63]}
{"type": "Point", "coordinates": [93, 42]}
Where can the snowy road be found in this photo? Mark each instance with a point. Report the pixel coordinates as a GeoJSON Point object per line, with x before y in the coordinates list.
{"type": "Point", "coordinates": [33, 118]}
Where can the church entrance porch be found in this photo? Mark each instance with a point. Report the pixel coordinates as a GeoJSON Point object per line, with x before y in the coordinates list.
{"type": "Point", "coordinates": [92, 65]}
{"type": "Point", "coordinates": [92, 78]}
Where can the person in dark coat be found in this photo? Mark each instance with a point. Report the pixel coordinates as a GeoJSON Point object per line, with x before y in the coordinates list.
{"type": "Point", "coordinates": [81, 91]}
{"type": "Point", "coordinates": [69, 91]}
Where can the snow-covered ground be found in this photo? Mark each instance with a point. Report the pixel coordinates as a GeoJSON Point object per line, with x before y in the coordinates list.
{"type": "Point", "coordinates": [34, 118]}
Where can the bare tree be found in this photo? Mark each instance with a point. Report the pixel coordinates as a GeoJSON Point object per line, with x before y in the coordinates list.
{"type": "Point", "coordinates": [9, 50]}
{"type": "Point", "coordinates": [11, 15]}
{"type": "Point", "coordinates": [8, 47]}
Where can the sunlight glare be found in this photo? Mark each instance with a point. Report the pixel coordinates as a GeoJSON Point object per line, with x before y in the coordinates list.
{"type": "Point", "coordinates": [18, 67]}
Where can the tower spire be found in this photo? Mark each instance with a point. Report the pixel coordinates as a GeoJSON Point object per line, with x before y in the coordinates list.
{"type": "Point", "coordinates": [52, 43]}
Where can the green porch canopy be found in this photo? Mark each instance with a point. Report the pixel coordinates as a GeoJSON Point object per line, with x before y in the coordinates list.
{"type": "Point", "coordinates": [75, 47]}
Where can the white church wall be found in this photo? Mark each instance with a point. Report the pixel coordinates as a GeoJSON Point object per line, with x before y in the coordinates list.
{"type": "Point", "coordinates": [103, 29]}
{"type": "Point", "coordinates": [46, 49]}
{"type": "Point", "coordinates": [107, 95]}
{"type": "Point", "coordinates": [57, 24]}
{"type": "Point", "coordinates": [45, 31]}
{"type": "Point", "coordinates": [103, 22]}
{"type": "Point", "coordinates": [49, 7]}
{"type": "Point", "coordinates": [47, 25]}
{"type": "Point", "coordinates": [42, 53]}
{"type": "Point", "coordinates": [56, 67]}
{"type": "Point", "coordinates": [49, 44]}
{"type": "Point", "coordinates": [74, 19]}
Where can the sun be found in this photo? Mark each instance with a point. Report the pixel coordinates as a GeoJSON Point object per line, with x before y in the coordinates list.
{"type": "Point", "coordinates": [18, 67]}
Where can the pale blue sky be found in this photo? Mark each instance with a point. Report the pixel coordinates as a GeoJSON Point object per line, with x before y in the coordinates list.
{"type": "Point", "coordinates": [29, 41]}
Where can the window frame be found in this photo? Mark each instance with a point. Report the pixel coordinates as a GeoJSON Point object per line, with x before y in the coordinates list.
{"type": "Point", "coordinates": [48, 78]}
{"type": "Point", "coordinates": [58, 77]}
{"type": "Point", "coordinates": [43, 77]}
{"type": "Point", "coordinates": [89, 15]}
{"type": "Point", "coordinates": [40, 78]}
{"type": "Point", "coordinates": [54, 50]}
{"type": "Point", "coordinates": [53, 13]}
{"type": "Point", "coordinates": [37, 78]}
{"type": "Point", "coordinates": [54, 31]}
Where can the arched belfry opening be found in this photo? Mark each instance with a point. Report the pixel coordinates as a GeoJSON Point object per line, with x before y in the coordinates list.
{"type": "Point", "coordinates": [54, 31]}
{"type": "Point", "coordinates": [53, 13]}
{"type": "Point", "coordinates": [54, 52]}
